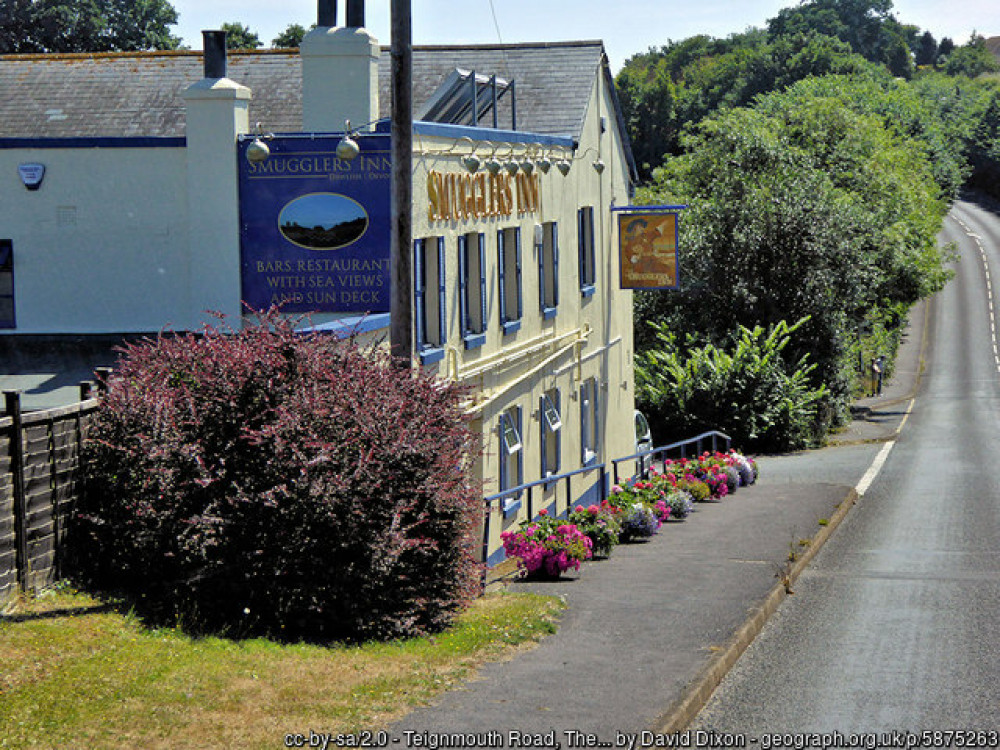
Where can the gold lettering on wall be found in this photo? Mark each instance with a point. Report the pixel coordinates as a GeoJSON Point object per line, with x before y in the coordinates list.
{"type": "Point", "coordinates": [457, 197]}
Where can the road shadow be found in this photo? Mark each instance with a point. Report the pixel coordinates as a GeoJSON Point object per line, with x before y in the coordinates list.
{"type": "Point", "coordinates": [983, 200]}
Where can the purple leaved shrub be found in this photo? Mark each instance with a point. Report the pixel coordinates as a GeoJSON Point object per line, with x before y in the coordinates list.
{"type": "Point", "coordinates": [269, 482]}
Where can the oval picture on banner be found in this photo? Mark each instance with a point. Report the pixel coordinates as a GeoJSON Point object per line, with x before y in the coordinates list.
{"type": "Point", "coordinates": [323, 221]}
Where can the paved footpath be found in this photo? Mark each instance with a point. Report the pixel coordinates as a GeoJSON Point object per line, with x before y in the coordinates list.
{"type": "Point", "coordinates": [648, 633]}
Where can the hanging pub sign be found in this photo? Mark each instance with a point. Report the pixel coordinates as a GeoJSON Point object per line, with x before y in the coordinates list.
{"type": "Point", "coordinates": [314, 228]}
{"type": "Point", "coordinates": [647, 246]}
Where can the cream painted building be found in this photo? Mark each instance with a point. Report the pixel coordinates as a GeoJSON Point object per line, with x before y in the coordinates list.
{"type": "Point", "coordinates": [124, 182]}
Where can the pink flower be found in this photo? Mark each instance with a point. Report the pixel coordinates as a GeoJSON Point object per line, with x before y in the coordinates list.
{"type": "Point", "coordinates": [543, 512]}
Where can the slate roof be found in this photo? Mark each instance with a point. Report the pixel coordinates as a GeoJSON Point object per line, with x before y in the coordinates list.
{"type": "Point", "coordinates": [140, 94]}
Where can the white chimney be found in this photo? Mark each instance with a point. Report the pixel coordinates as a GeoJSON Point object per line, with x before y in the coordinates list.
{"type": "Point", "coordinates": [339, 71]}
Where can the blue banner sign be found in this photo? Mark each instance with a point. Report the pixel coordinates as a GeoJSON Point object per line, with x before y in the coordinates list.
{"type": "Point", "coordinates": [314, 228]}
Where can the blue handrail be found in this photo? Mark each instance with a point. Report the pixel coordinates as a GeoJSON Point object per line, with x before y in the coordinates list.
{"type": "Point", "coordinates": [657, 454]}
{"type": "Point", "coordinates": [661, 452]}
{"type": "Point", "coordinates": [529, 486]}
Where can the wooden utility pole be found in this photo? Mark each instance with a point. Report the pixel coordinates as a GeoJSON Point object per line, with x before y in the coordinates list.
{"type": "Point", "coordinates": [401, 307]}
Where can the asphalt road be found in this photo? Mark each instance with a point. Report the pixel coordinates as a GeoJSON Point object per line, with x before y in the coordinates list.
{"type": "Point", "coordinates": [893, 627]}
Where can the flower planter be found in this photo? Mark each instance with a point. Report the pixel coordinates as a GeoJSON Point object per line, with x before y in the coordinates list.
{"type": "Point", "coordinates": [545, 547]}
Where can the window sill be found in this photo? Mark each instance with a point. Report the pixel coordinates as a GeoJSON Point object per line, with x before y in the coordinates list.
{"type": "Point", "coordinates": [589, 458]}
{"type": "Point", "coordinates": [431, 355]}
{"type": "Point", "coordinates": [549, 312]}
{"type": "Point", "coordinates": [588, 290]}
{"type": "Point", "coordinates": [511, 505]}
{"type": "Point", "coordinates": [474, 340]}
{"type": "Point", "coordinates": [511, 326]}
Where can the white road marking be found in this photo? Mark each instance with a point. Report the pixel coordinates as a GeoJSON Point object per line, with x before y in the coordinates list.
{"type": "Point", "coordinates": [876, 466]}
{"type": "Point", "coordinates": [866, 481]}
{"type": "Point", "coordinates": [989, 291]}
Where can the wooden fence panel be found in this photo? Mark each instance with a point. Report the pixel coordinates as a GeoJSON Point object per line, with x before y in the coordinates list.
{"type": "Point", "coordinates": [39, 501]}
{"type": "Point", "coordinates": [8, 548]}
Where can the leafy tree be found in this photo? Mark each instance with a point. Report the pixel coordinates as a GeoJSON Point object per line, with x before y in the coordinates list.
{"type": "Point", "coordinates": [984, 151]}
{"type": "Point", "coordinates": [141, 24]}
{"type": "Point", "coordinates": [972, 59]}
{"type": "Point", "coordinates": [664, 91]}
{"type": "Point", "coordinates": [895, 51]}
{"type": "Point", "coordinates": [926, 114]}
{"type": "Point", "coordinates": [866, 25]}
{"type": "Point", "coordinates": [239, 36]}
{"type": "Point", "coordinates": [291, 37]}
{"type": "Point", "coordinates": [927, 51]}
{"type": "Point", "coordinates": [945, 49]}
{"type": "Point", "coordinates": [857, 22]}
{"type": "Point", "coordinates": [18, 31]}
{"type": "Point", "coordinates": [801, 207]}
{"type": "Point", "coordinates": [86, 25]}
{"type": "Point", "coordinates": [648, 97]}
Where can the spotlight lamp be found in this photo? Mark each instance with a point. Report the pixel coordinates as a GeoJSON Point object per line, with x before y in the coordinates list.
{"type": "Point", "coordinates": [563, 166]}
{"type": "Point", "coordinates": [258, 149]}
{"type": "Point", "coordinates": [492, 164]}
{"type": "Point", "coordinates": [598, 166]}
{"type": "Point", "coordinates": [348, 148]}
{"type": "Point", "coordinates": [471, 163]}
{"type": "Point", "coordinates": [512, 167]}
{"type": "Point", "coordinates": [527, 166]}
{"type": "Point", "coordinates": [544, 164]}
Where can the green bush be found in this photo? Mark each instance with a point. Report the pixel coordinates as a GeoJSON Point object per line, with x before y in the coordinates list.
{"type": "Point", "coordinates": [748, 392]}
{"type": "Point", "coordinates": [267, 482]}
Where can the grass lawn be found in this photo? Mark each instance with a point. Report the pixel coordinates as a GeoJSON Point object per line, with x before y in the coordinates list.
{"type": "Point", "coordinates": [74, 673]}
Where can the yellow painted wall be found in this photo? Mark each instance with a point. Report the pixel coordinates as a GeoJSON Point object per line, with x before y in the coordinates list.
{"type": "Point", "coordinates": [588, 340]}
